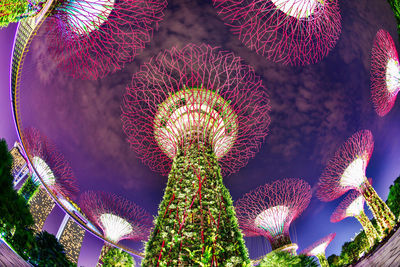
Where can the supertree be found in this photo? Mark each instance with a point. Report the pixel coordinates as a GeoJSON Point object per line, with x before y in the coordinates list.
{"type": "Point", "coordinates": [318, 248]}
{"type": "Point", "coordinates": [49, 164]}
{"type": "Point", "coordinates": [385, 73]}
{"type": "Point", "coordinates": [295, 32]}
{"type": "Point", "coordinates": [90, 38]}
{"type": "Point", "coordinates": [353, 206]}
{"type": "Point", "coordinates": [117, 217]}
{"type": "Point", "coordinates": [195, 112]}
{"type": "Point", "coordinates": [270, 209]}
{"type": "Point", "coordinates": [346, 171]}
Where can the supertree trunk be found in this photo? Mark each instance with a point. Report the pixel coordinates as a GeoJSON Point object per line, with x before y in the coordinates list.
{"type": "Point", "coordinates": [369, 229]}
{"type": "Point", "coordinates": [383, 215]}
{"type": "Point", "coordinates": [196, 223]}
{"type": "Point", "coordinates": [104, 250]}
{"type": "Point", "coordinates": [280, 241]}
{"type": "Point", "coordinates": [322, 260]}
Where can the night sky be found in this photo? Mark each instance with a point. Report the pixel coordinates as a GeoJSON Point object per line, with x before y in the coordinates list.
{"type": "Point", "coordinates": [315, 109]}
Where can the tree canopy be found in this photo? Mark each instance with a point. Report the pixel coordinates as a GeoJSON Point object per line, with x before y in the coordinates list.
{"type": "Point", "coordinates": [393, 199]}
{"type": "Point", "coordinates": [118, 257]}
{"type": "Point", "coordinates": [284, 259]}
{"type": "Point", "coordinates": [11, 11]}
{"type": "Point", "coordinates": [48, 251]}
{"type": "Point", "coordinates": [15, 214]}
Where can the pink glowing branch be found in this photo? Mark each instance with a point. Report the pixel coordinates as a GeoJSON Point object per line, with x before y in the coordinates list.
{"type": "Point", "coordinates": [319, 246]}
{"type": "Point", "coordinates": [118, 217]}
{"type": "Point", "coordinates": [91, 38]}
{"type": "Point", "coordinates": [385, 73]}
{"type": "Point", "coordinates": [292, 32]}
{"type": "Point", "coordinates": [270, 209]}
{"type": "Point", "coordinates": [196, 77]}
{"type": "Point", "coordinates": [351, 206]}
{"type": "Point", "coordinates": [346, 169]}
{"type": "Point", "coordinates": [39, 147]}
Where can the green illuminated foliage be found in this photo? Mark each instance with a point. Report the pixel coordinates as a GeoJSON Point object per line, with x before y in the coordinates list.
{"type": "Point", "coordinates": [395, 5]}
{"type": "Point", "coordinates": [196, 223]}
{"type": "Point", "coordinates": [12, 11]}
{"type": "Point", "coordinates": [118, 257]}
{"type": "Point", "coordinates": [15, 217]}
{"type": "Point", "coordinates": [393, 199]}
{"type": "Point", "coordinates": [28, 189]}
{"type": "Point", "coordinates": [284, 259]}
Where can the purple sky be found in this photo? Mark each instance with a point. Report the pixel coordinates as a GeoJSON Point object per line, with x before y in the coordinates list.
{"type": "Point", "coordinates": [314, 110]}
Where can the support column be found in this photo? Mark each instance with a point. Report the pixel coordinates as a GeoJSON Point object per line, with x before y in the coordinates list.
{"type": "Point", "coordinates": [383, 215]}
{"type": "Point", "coordinates": [196, 223]}
{"type": "Point", "coordinates": [369, 229]}
{"type": "Point", "coordinates": [40, 206]}
{"type": "Point", "coordinates": [322, 260]}
{"type": "Point", "coordinates": [71, 235]}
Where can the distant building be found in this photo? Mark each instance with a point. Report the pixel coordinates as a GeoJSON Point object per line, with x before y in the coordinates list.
{"type": "Point", "coordinates": [71, 235]}
{"type": "Point", "coordinates": [20, 170]}
{"type": "Point", "coordinates": [40, 206]}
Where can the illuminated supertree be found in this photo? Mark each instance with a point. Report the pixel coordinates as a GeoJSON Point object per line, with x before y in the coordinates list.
{"type": "Point", "coordinates": [15, 10]}
{"type": "Point", "coordinates": [346, 171]}
{"type": "Point", "coordinates": [90, 38]}
{"type": "Point", "coordinates": [117, 217]}
{"type": "Point", "coordinates": [318, 248]}
{"type": "Point", "coordinates": [270, 209]}
{"type": "Point", "coordinates": [295, 32]}
{"type": "Point", "coordinates": [50, 164]}
{"type": "Point", "coordinates": [385, 73]}
{"type": "Point", "coordinates": [353, 206]}
{"type": "Point", "coordinates": [204, 111]}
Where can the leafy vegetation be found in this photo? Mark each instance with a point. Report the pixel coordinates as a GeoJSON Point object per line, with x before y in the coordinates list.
{"type": "Point", "coordinates": [15, 219]}
{"type": "Point", "coordinates": [28, 189]}
{"type": "Point", "coordinates": [196, 222]}
{"type": "Point", "coordinates": [393, 199]}
{"type": "Point", "coordinates": [16, 222]}
{"type": "Point", "coordinates": [48, 251]}
{"type": "Point", "coordinates": [11, 11]}
{"type": "Point", "coordinates": [284, 259]}
{"type": "Point", "coordinates": [395, 5]}
{"type": "Point", "coordinates": [117, 257]}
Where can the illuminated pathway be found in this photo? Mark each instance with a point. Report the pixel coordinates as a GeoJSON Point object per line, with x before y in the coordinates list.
{"type": "Point", "coordinates": [387, 255]}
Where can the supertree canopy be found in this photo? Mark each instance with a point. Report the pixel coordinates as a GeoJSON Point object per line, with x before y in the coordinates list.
{"type": "Point", "coordinates": [117, 217]}
{"type": "Point", "coordinates": [385, 73]}
{"type": "Point", "coordinates": [318, 248]}
{"type": "Point", "coordinates": [50, 165]}
{"type": "Point", "coordinates": [295, 32]}
{"type": "Point", "coordinates": [202, 110]}
{"type": "Point", "coordinates": [270, 209]}
{"type": "Point", "coordinates": [353, 206]}
{"type": "Point", "coordinates": [346, 171]}
{"type": "Point", "coordinates": [90, 38]}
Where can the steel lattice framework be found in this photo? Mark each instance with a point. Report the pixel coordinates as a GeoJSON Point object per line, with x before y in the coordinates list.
{"type": "Point", "coordinates": [50, 165]}
{"type": "Point", "coordinates": [385, 73]}
{"type": "Point", "coordinates": [91, 38]}
{"type": "Point", "coordinates": [203, 110]}
{"type": "Point", "coordinates": [117, 217]}
{"type": "Point", "coordinates": [270, 209]}
{"type": "Point", "coordinates": [318, 248]}
{"type": "Point", "coordinates": [346, 171]}
{"type": "Point", "coordinates": [295, 32]}
{"type": "Point", "coordinates": [219, 96]}
{"type": "Point", "coordinates": [353, 206]}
